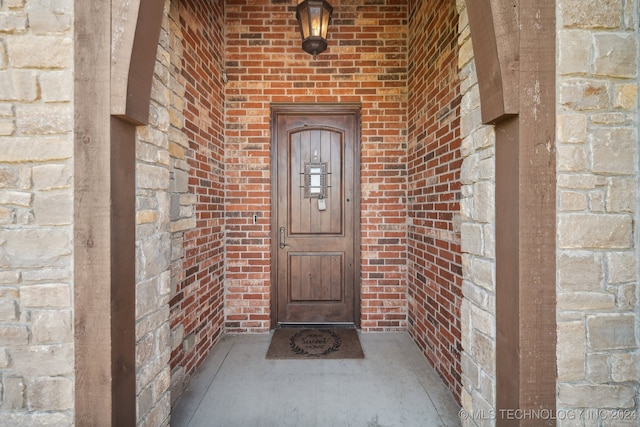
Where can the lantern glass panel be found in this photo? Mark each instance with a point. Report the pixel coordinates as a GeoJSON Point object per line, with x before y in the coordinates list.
{"type": "Point", "coordinates": [304, 22]}
{"type": "Point", "coordinates": [325, 23]}
{"type": "Point", "coordinates": [315, 14]}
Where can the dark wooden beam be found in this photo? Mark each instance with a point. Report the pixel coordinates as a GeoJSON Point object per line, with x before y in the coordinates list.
{"type": "Point", "coordinates": [109, 101]}
{"type": "Point", "coordinates": [526, 228]}
{"type": "Point", "coordinates": [494, 35]}
{"type": "Point", "coordinates": [92, 214]}
{"type": "Point", "coordinates": [137, 24]}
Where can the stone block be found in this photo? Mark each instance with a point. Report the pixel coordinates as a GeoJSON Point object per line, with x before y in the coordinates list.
{"type": "Point", "coordinates": [484, 202]}
{"type": "Point", "coordinates": [577, 181]}
{"type": "Point", "coordinates": [616, 55]}
{"type": "Point", "coordinates": [626, 296]}
{"type": "Point", "coordinates": [574, 52]}
{"type": "Point", "coordinates": [144, 349]}
{"type": "Point", "coordinates": [9, 277]}
{"type": "Point", "coordinates": [624, 367]}
{"type": "Point", "coordinates": [14, 335]}
{"type": "Point", "coordinates": [50, 394]}
{"type": "Point", "coordinates": [572, 128]}
{"type": "Point", "coordinates": [15, 198]}
{"type": "Point", "coordinates": [13, 396]}
{"type": "Point", "coordinates": [46, 275]}
{"type": "Point", "coordinates": [571, 201]}
{"type": "Point", "coordinates": [13, 22]}
{"type": "Point", "coordinates": [5, 360]}
{"type": "Point", "coordinates": [153, 255]}
{"type": "Point", "coordinates": [479, 296]}
{"type": "Point", "coordinates": [598, 370]}
{"type": "Point", "coordinates": [592, 231]}
{"type": "Point", "coordinates": [626, 96]}
{"type": "Point", "coordinates": [18, 85]}
{"type": "Point", "coordinates": [152, 177]}
{"type": "Point", "coordinates": [621, 195]}
{"type": "Point", "coordinates": [622, 267]}
{"type": "Point", "coordinates": [145, 217]}
{"type": "Point", "coordinates": [591, 13]}
{"type": "Point", "coordinates": [13, 4]}
{"type": "Point", "coordinates": [146, 152]}
{"type": "Point", "coordinates": [484, 274]}
{"type": "Point", "coordinates": [35, 149]}
{"type": "Point", "coordinates": [613, 151]}
{"type": "Point", "coordinates": [609, 118]}
{"type": "Point", "coordinates": [56, 86]}
{"type": "Point", "coordinates": [53, 209]}
{"type": "Point", "coordinates": [39, 51]}
{"type": "Point", "coordinates": [51, 326]}
{"type": "Point", "coordinates": [472, 238]}
{"type": "Point", "coordinates": [35, 248]}
{"type": "Point", "coordinates": [483, 321]}
{"type": "Point", "coordinates": [9, 311]}
{"type": "Point", "coordinates": [50, 16]}
{"type": "Point", "coordinates": [584, 94]}
{"type": "Point", "coordinates": [582, 271]}
{"type": "Point", "coordinates": [180, 182]}
{"type": "Point", "coordinates": [7, 127]}
{"type": "Point", "coordinates": [611, 332]}
{"type": "Point", "coordinates": [183, 225]}
{"type": "Point", "coordinates": [483, 350]}
{"type": "Point", "coordinates": [595, 396]}
{"type": "Point", "coordinates": [469, 371]}
{"type": "Point", "coordinates": [44, 119]}
{"type": "Point", "coordinates": [586, 301]}
{"type": "Point", "coordinates": [3, 57]}
{"type": "Point", "coordinates": [44, 360]}
{"type": "Point", "coordinates": [146, 297]}
{"type": "Point", "coordinates": [52, 177]}
{"type": "Point", "coordinates": [571, 158]}
{"type": "Point", "coordinates": [41, 419]}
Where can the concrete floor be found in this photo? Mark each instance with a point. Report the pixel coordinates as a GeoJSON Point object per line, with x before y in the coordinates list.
{"type": "Point", "coordinates": [393, 386]}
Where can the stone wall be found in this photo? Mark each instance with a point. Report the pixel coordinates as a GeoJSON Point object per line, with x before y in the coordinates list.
{"type": "Point", "coordinates": [154, 182]}
{"type": "Point", "coordinates": [597, 207]}
{"type": "Point", "coordinates": [477, 210]}
{"type": "Point", "coordinates": [597, 164]}
{"type": "Point", "coordinates": [36, 213]}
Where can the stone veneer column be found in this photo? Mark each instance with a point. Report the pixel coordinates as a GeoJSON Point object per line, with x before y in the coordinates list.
{"type": "Point", "coordinates": [477, 208]}
{"type": "Point", "coordinates": [36, 213]}
{"type": "Point", "coordinates": [159, 212]}
{"type": "Point", "coordinates": [597, 207]}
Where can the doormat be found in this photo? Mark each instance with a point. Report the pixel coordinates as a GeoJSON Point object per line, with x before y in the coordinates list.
{"type": "Point", "coordinates": [309, 343]}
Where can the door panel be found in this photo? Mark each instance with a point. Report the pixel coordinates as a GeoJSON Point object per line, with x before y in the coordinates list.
{"type": "Point", "coordinates": [315, 216]}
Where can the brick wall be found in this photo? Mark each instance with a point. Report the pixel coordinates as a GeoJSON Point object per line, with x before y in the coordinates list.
{"type": "Point", "coordinates": [434, 161]}
{"type": "Point", "coordinates": [366, 62]}
{"type": "Point", "coordinates": [197, 183]}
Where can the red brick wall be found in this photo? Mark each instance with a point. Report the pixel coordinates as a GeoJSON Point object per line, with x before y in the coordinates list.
{"type": "Point", "coordinates": [366, 62]}
{"type": "Point", "coordinates": [434, 161]}
{"type": "Point", "coordinates": [199, 300]}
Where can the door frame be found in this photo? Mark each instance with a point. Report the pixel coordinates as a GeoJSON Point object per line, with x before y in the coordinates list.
{"type": "Point", "coordinates": [353, 109]}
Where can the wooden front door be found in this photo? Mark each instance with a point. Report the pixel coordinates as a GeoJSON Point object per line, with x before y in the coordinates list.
{"type": "Point", "coordinates": [315, 158]}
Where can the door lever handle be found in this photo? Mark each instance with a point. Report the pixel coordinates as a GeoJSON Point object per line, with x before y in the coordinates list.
{"type": "Point", "coordinates": [282, 238]}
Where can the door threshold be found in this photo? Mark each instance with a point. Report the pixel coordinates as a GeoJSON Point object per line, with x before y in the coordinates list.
{"type": "Point", "coordinates": [318, 325]}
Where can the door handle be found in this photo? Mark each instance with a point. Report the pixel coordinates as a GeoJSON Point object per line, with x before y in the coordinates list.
{"type": "Point", "coordinates": [282, 238]}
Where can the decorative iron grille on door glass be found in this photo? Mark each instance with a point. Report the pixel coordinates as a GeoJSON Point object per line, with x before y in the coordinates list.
{"type": "Point", "coordinates": [315, 180]}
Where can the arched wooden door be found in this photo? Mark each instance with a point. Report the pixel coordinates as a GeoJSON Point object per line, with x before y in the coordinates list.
{"type": "Point", "coordinates": [316, 214]}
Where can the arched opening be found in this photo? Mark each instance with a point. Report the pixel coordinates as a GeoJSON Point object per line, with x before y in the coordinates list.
{"type": "Point", "coordinates": [203, 237]}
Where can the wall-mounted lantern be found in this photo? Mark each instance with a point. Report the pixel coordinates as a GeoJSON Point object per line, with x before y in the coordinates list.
{"type": "Point", "coordinates": [313, 17]}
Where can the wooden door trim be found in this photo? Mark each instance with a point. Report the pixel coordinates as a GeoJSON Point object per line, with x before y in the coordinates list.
{"type": "Point", "coordinates": [279, 109]}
